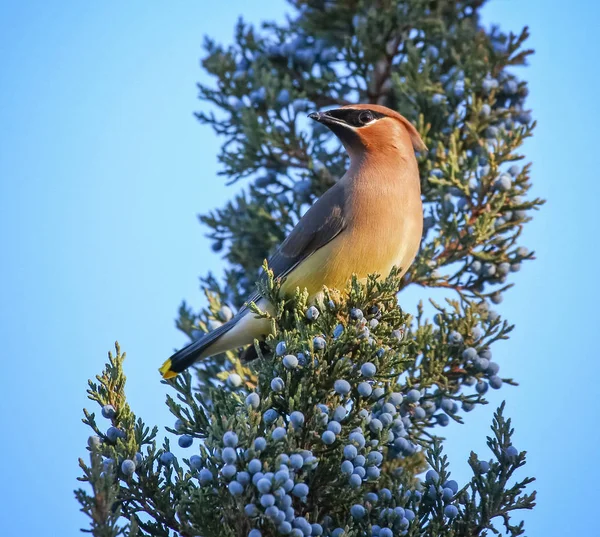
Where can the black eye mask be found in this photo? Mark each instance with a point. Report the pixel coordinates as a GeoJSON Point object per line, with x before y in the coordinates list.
{"type": "Point", "coordinates": [355, 117]}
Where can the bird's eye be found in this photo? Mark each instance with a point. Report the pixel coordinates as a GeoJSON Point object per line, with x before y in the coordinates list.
{"type": "Point", "coordinates": [365, 117]}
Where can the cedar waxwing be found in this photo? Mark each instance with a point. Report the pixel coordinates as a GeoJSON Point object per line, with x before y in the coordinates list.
{"type": "Point", "coordinates": [368, 222]}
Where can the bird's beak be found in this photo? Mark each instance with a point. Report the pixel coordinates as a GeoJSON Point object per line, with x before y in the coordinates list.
{"type": "Point", "coordinates": [324, 118]}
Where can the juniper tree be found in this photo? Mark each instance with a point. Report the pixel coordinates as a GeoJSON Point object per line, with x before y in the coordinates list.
{"type": "Point", "coordinates": [335, 429]}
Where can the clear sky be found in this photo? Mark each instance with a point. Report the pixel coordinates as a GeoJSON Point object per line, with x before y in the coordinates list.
{"type": "Point", "coordinates": [103, 170]}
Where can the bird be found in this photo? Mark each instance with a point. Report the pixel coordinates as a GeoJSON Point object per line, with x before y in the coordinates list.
{"type": "Point", "coordinates": [369, 221]}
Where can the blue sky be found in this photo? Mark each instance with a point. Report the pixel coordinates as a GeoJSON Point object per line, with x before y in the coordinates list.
{"type": "Point", "coordinates": [103, 170]}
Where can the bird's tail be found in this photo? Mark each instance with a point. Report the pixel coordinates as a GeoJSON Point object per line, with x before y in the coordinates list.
{"type": "Point", "coordinates": [185, 357]}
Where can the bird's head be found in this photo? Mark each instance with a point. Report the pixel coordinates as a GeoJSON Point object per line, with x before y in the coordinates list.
{"type": "Point", "coordinates": [371, 127]}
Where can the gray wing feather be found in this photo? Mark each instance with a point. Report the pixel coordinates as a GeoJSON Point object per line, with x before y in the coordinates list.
{"type": "Point", "coordinates": [324, 221]}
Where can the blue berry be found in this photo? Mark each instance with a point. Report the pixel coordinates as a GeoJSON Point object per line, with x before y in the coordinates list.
{"type": "Point", "coordinates": [266, 500]}
{"type": "Point", "coordinates": [296, 461]}
{"type": "Point", "coordinates": [511, 87]}
{"type": "Point", "coordinates": [356, 314]}
{"type": "Point", "coordinates": [486, 353]}
{"type": "Point", "coordinates": [128, 467]}
{"type": "Point", "coordinates": [234, 380]}
{"type": "Point", "coordinates": [373, 472]}
{"type": "Point", "coordinates": [108, 411]}
{"type": "Point", "coordinates": [113, 433]}
{"type": "Point", "coordinates": [251, 510]}
{"type": "Point", "coordinates": [419, 413]}
{"type": "Point", "coordinates": [347, 467]}
{"type": "Point", "coordinates": [386, 532]}
{"type": "Point", "coordinates": [385, 419]}
{"type": "Point", "coordinates": [492, 368]}
{"type": "Point", "coordinates": [350, 452]}
{"type": "Point", "coordinates": [228, 471]}
{"type": "Point", "coordinates": [512, 451]}
{"type": "Point", "coordinates": [452, 485]}
{"type": "Point", "coordinates": [312, 313]}
{"type": "Point", "coordinates": [278, 434]}
{"type": "Point", "coordinates": [328, 437]}
{"type": "Point", "coordinates": [205, 476]}
{"type": "Point", "coordinates": [481, 364]}
{"type": "Point", "coordinates": [396, 398]}
{"type": "Point", "coordinates": [254, 533]}
{"type": "Point", "coordinates": [437, 99]}
{"type": "Point", "coordinates": [357, 511]}
{"type": "Point", "coordinates": [316, 529]}
{"type": "Point", "coordinates": [341, 386]}
{"type": "Point", "coordinates": [497, 298]}
{"type": "Point", "coordinates": [235, 488]}
{"type": "Point", "coordinates": [368, 370]}
{"type": "Point", "coordinates": [359, 460]}
{"type": "Point", "coordinates": [318, 343]}
{"type": "Point", "coordinates": [280, 348]}
{"type": "Point", "coordinates": [167, 458]}
{"type": "Point", "coordinates": [259, 475]}
{"type": "Point", "coordinates": [339, 413]}
{"type": "Point", "coordinates": [334, 427]}
{"type": "Point", "coordinates": [285, 528]}
{"type": "Point", "coordinates": [365, 389]}
{"type": "Point", "coordinates": [138, 459]}
{"type": "Point", "coordinates": [481, 387]}
{"type": "Point", "coordinates": [447, 404]}
{"type": "Point", "coordinates": [300, 490]}
{"type": "Point", "coordinates": [469, 353]}
{"type": "Point", "coordinates": [230, 439]}
{"type": "Point", "coordinates": [253, 400]}
{"type": "Point", "coordinates": [447, 494]}
{"type": "Point", "coordinates": [432, 477]}
{"type": "Point", "coordinates": [270, 416]}
{"type": "Point", "coordinates": [94, 441]}
{"type": "Point", "coordinates": [272, 512]}
{"type": "Point", "coordinates": [483, 467]}
{"type": "Point", "coordinates": [467, 407]}
{"type": "Point", "coordinates": [355, 481]}
{"type": "Point", "coordinates": [263, 485]}
{"type": "Point", "coordinates": [375, 457]}
{"type": "Point", "coordinates": [254, 466]}
{"type": "Point", "coordinates": [375, 425]}
{"type": "Point", "coordinates": [442, 419]}
{"type": "Point", "coordinates": [323, 408]}
{"type": "Point", "coordinates": [338, 331]}
{"type": "Point", "coordinates": [185, 441]}
{"type": "Point", "coordinates": [495, 382]}
{"type": "Point", "coordinates": [503, 183]}
{"type": "Point", "coordinates": [377, 394]}
{"type": "Point", "coordinates": [229, 455]}
{"type": "Point", "coordinates": [243, 478]}
{"type": "Point", "coordinates": [413, 396]}
{"type": "Point", "coordinates": [290, 361]}
{"type": "Point", "coordinates": [356, 437]}
{"type": "Point", "coordinates": [454, 338]}
{"type": "Point", "coordinates": [297, 418]}
{"type": "Point", "coordinates": [451, 511]}
{"type": "Point", "coordinates": [277, 384]}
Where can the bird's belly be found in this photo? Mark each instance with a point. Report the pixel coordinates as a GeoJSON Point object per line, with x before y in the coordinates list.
{"type": "Point", "coordinates": [355, 251]}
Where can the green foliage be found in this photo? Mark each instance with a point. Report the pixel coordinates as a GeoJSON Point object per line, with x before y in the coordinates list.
{"type": "Point", "coordinates": [171, 494]}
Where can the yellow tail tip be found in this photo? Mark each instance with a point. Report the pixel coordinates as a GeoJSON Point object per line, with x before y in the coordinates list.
{"type": "Point", "coordinates": [165, 370]}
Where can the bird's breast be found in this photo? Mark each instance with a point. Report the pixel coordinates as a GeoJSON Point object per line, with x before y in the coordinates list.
{"type": "Point", "coordinates": [384, 230]}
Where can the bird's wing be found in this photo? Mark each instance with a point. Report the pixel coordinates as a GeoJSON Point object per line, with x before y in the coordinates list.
{"type": "Point", "coordinates": [324, 221]}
